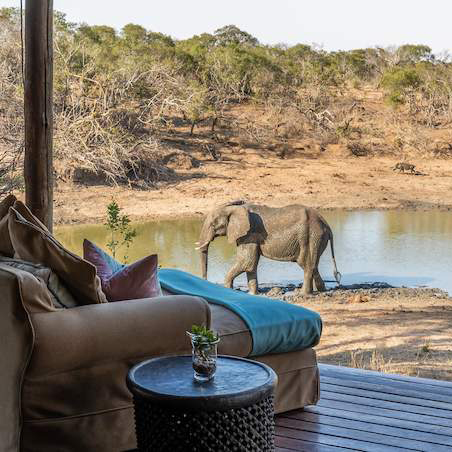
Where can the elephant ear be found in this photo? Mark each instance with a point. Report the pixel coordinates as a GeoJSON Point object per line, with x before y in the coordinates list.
{"type": "Point", "coordinates": [239, 223]}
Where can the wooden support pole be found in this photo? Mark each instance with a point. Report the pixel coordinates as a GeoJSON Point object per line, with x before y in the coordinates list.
{"type": "Point", "coordinates": [38, 105]}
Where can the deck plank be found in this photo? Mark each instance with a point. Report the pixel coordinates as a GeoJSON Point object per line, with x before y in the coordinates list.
{"type": "Point", "coordinates": [438, 386]}
{"type": "Point", "coordinates": [442, 417]}
{"type": "Point", "coordinates": [322, 437]}
{"type": "Point", "coordinates": [416, 430]}
{"type": "Point", "coordinates": [344, 431]}
{"type": "Point", "coordinates": [370, 411]}
{"type": "Point", "coordinates": [413, 439]}
{"type": "Point", "coordinates": [284, 444]}
{"type": "Point", "coordinates": [441, 407]}
{"type": "Point", "coordinates": [403, 390]}
{"type": "Point", "coordinates": [396, 377]}
{"type": "Point", "coordinates": [351, 406]}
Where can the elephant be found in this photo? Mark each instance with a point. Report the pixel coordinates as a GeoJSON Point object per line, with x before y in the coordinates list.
{"type": "Point", "coordinates": [292, 233]}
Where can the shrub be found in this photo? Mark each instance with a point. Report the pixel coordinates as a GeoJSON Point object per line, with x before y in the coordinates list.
{"type": "Point", "coordinates": [400, 83]}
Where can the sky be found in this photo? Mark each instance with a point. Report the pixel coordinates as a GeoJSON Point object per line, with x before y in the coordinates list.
{"type": "Point", "coordinates": [332, 24]}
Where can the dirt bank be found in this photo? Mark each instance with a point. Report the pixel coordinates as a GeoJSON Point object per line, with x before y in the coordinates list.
{"type": "Point", "coordinates": [396, 330]}
{"type": "Point", "coordinates": [331, 179]}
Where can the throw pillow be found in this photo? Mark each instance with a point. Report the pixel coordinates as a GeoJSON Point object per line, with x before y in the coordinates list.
{"type": "Point", "coordinates": [124, 282]}
{"type": "Point", "coordinates": [26, 213]}
{"type": "Point", "coordinates": [6, 204]}
{"type": "Point", "coordinates": [33, 244]}
{"type": "Point", "coordinates": [6, 247]}
{"type": "Point", "coordinates": [61, 297]}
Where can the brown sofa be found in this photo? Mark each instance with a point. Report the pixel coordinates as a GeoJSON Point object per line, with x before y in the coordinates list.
{"type": "Point", "coordinates": [62, 378]}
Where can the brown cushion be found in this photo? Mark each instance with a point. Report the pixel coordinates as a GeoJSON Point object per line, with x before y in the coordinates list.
{"type": "Point", "coordinates": [6, 247]}
{"type": "Point", "coordinates": [60, 296]}
{"type": "Point", "coordinates": [33, 244]}
{"type": "Point", "coordinates": [6, 204]}
{"type": "Point", "coordinates": [26, 213]}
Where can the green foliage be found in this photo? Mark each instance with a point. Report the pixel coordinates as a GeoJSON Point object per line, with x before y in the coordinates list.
{"type": "Point", "coordinates": [121, 233]}
{"type": "Point", "coordinates": [412, 54]}
{"type": "Point", "coordinates": [134, 35]}
{"type": "Point", "coordinates": [98, 34]}
{"type": "Point", "coordinates": [205, 335]}
{"type": "Point", "coordinates": [399, 83]}
{"type": "Point", "coordinates": [232, 35]}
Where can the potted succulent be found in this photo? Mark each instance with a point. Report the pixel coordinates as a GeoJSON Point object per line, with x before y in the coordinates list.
{"type": "Point", "coordinates": [204, 352]}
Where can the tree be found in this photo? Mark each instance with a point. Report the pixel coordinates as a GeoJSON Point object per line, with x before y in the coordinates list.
{"type": "Point", "coordinates": [134, 35]}
{"type": "Point", "coordinates": [232, 35]}
{"type": "Point", "coordinates": [412, 54]}
{"type": "Point", "coordinates": [99, 34]}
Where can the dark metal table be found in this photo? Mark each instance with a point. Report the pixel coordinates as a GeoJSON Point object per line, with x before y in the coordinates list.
{"type": "Point", "coordinates": [232, 412]}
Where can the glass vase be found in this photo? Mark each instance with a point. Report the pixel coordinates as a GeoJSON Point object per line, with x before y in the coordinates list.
{"type": "Point", "coordinates": [204, 357]}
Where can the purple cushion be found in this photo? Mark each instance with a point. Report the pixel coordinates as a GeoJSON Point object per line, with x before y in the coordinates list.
{"type": "Point", "coordinates": [124, 282]}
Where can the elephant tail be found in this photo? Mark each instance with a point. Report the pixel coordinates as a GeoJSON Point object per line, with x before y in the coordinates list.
{"type": "Point", "coordinates": [337, 275]}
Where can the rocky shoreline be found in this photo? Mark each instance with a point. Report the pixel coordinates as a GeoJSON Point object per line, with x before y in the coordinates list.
{"type": "Point", "coordinates": [353, 293]}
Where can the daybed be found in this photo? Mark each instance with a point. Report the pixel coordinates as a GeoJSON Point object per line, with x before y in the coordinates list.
{"type": "Point", "coordinates": [62, 377]}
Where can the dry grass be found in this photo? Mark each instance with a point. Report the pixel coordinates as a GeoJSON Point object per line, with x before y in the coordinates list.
{"type": "Point", "coordinates": [371, 360]}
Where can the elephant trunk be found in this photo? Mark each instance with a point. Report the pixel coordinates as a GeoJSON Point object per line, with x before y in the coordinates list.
{"type": "Point", "coordinates": [206, 236]}
{"type": "Point", "coordinates": [204, 259]}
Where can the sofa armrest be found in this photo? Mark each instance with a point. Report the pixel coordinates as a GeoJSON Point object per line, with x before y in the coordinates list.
{"type": "Point", "coordinates": [100, 333]}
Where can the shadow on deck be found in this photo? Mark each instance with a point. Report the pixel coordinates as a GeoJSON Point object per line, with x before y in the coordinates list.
{"type": "Point", "coordinates": [370, 411]}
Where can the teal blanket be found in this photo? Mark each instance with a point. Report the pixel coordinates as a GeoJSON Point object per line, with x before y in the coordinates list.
{"type": "Point", "coordinates": [276, 326]}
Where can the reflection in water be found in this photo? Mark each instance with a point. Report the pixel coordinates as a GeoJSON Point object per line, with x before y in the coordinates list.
{"type": "Point", "coordinates": [401, 248]}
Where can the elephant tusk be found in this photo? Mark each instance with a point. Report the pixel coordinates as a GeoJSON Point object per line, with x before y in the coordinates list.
{"type": "Point", "coordinates": [201, 246]}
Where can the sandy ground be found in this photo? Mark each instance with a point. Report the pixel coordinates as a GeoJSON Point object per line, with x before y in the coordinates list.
{"type": "Point", "coordinates": [330, 180]}
{"type": "Point", "coordinates": [396, 330]}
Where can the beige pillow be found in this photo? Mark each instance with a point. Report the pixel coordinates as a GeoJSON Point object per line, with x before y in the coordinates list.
{"type": "Point", "coordinates": [26, 213]}
{"type": "Point", "coordinates": [33, 244]}
{"type": "Point", "coordinates": [6, 247]}
{"type": "Point", "coordinates": [60, 296]}
{"type": "Point", "coordinates": [34, 292]}
{"type": "Point", "coordinates": [6, 204]}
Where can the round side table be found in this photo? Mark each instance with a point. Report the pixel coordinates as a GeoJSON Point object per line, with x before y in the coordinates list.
{"type": "Point", "coordinates": [232, 412]}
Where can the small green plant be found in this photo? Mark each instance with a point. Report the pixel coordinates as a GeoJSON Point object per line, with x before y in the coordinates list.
{"type": "Point", "coordinates": [204, 334]}
{"type": "Point", "coordinates": [426, 347]}
{"type": "Point", "coordinates": [121, 233]}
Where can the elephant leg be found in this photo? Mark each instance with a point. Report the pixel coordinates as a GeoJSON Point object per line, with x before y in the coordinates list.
{"type": "Point", "coordinates": [235, 271]}
{"type": "Point", "coordinates": [318, 245]}
{"type": "Point", "coordinates": [304, 261]}
{"type": "Point", "coordinates": [252, 282]}
{"type": "Point", "coordinates": [319, 284]}
{"type": "Point", "coordinates": [246, 261]}
{"type": "Point", "coordinates": [307, 283]}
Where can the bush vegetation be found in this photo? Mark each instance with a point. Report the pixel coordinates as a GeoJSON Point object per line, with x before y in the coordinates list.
{"type": "Point", "coordinates": [119, 94]}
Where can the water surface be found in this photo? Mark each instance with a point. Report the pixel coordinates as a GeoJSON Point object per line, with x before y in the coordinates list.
{"type": "Point", "coordinates": [409, 248]}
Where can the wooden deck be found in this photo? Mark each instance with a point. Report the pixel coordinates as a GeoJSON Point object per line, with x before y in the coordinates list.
{"type": "Point", "coordinates": [370, 411]}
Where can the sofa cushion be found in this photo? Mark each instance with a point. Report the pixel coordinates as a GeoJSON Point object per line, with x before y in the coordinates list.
{"type": "Point", "coordinates": [32, 291]}
{"type": "Point", "coordinates": [124, 282]}
{"type": "Point", "coordinates": [235, 335]}
{"type": "Point", "coordinates": [61, 297]}
{"type": "Point", "coordinates": [33, 244]}
{"type": "Point", "coordinates": [6, 204]}
{"type": "Point", "coordinates": [26, 213]}
{"type": "Point", "coordinates": [6, 247]}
